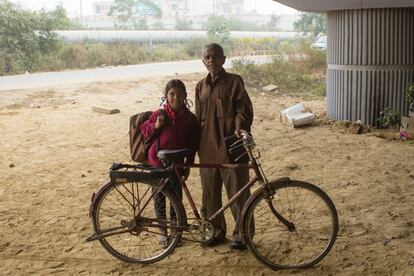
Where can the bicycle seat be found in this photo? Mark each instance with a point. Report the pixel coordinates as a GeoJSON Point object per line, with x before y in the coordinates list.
{"type": "Point", "coordinates": [173, 155]}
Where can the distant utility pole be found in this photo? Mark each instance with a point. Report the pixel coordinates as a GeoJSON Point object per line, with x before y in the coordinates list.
{"type": "Point", "coordinates": [81, 17]}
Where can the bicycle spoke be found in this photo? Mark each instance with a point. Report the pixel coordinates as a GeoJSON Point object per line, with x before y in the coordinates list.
{"type": "Point", "coordinates": [120, 202]}
{"type": "Point", "coordinates": [114, 201]}
{"type": "Point", "coordinates": [133, 197]}
{"type": "Point", "coordinates": [115, 214]}
{"type": "Point", "coordinates": [120, 206]}
{"type": "Point", "coordinates": [315, 224]}
{"type": "Point", "coordinates": [125, 197]}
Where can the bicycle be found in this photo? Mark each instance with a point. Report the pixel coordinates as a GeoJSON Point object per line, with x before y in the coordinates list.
{"type": "Point", "coordinates": [295, 222]}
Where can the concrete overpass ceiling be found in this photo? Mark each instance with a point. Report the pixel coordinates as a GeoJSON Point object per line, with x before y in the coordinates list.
{"type": "Point", "coordinates": [332, 5]}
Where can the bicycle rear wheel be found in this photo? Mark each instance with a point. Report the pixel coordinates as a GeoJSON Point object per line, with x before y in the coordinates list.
{"type": "Point", "coordinates": [144, 238]}
{"type": "Point", "coordinates": [313, 215]}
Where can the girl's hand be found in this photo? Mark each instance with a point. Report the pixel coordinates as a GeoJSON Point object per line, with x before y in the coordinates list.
{"type": "Point", "coordinates": [160, 122]}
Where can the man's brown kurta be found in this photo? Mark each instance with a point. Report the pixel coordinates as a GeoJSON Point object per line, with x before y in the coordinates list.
{"type": "Point", "coordinates": [221, 107]}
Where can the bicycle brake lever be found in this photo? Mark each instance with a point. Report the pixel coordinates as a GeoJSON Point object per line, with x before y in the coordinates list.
{"type": "Point", "coordinates": [229, 137]}
{"type": "Point", "coordinates": [233, 149]}
{"type": "Point", "coordinates": [237, 141]}
{"type": "Point", "coordinates": [240, 156]}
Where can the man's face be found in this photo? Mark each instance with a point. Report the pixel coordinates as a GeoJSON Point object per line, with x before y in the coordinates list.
{"type": "Point", "coordinates": [214, 60]}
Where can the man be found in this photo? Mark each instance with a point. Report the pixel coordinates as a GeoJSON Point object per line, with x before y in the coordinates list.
{"type": "Point", "coordinates": [223, 108]}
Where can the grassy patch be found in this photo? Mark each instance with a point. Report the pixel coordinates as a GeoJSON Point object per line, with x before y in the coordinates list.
{"type": "Point", "coordinates": [90, 54]}
{"type": "Point", "coordinates": [296, 67]}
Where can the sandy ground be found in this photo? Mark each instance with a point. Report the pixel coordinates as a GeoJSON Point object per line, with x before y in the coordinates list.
{"type": "Point", "coordinates": [55, 152]}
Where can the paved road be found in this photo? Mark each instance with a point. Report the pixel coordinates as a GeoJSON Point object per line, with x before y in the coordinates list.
{"type": "Point", "coordinates": [38, 80]}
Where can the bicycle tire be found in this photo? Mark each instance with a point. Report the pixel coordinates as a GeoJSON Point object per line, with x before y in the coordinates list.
{"type": "Point", "coordinates": [110, 210]}
{"type": "Point", "coordinates": [272, 243]}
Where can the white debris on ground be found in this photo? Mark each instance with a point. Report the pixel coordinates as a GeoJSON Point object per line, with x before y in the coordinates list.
{"type": "Point", "coordinates": [296, 115]}
{"type": "Point", "coordinates": [407, 128]}
{"type": "Point", "coordinates": [105, 110]}
{"type": "Point", "coordinates": [270, 88]}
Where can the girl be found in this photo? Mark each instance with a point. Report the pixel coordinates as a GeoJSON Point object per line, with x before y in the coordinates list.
{"type": "Point", "coordinates": [175, 128]}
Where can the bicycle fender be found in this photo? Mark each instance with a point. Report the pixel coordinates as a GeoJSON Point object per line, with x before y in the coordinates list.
{"type": "Point", "coordinates": [253, 197]}
{"type": "Point", "coordinates": [96, 195]}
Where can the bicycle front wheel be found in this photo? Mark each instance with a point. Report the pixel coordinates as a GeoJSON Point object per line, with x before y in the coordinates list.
{"type": "Point", "coordinates": [136, 225]}
{"type": "Point", "coordinates": [312, 233]}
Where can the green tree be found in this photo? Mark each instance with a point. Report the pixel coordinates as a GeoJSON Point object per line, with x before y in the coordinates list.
{"type": "Point", "coordinates": [182, 24]}
{"type": "Point", "coordinates": [273, 24]}
{"type": "Point", "coordinates": [158, 25]}
{"type": "Point", "coordinates": [235, 24]}
{"type": "Point", "coordinates": [25, 35]}
{"type": "Point", "coordinates": [314, 23]}
{"type": "Point", "coordinates": [122, 11]}
{"type": "Point", "coordinates": [217, 28]}
{"type": "Point", "coordinates": [155, 9]}
{"type": "Point", "coordinates": [126, 13]}
{"type": "Point", "coordinates": [141, 24]}
{"type": "Point", "coordinates": [57, 18]}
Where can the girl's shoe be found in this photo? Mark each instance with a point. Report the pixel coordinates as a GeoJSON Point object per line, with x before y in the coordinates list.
{"type": "Point", "coordinates": [164, 241]}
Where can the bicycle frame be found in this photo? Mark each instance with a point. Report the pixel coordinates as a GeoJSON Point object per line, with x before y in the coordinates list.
{"type": "Point", "coordinates": [252, 165]}
{"type": "Point", "coordinates": [259, 176]}
{"type": "Point", "coordinates": [249, 184]}
{"type": "Point", "coordinates": [176, 166]}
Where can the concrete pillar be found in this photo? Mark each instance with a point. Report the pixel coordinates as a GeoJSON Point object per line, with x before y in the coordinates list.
{"type": "Point", "coordinates": [370, 62]}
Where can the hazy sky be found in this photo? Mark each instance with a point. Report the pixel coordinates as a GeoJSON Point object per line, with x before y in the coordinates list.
{"type": "Point", "coordinates": [73, 6]}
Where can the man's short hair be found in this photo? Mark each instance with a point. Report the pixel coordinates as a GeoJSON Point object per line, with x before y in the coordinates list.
{"type": "Point", "coordinates": [214, 46]}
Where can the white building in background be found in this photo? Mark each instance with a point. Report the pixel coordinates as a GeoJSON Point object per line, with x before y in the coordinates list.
{"type": "Point", "coordinates": [228, 7]}
{"type": "Point", "coordinates": [195, 12]}
{"type": "Point", "coordinates": [201, 7]}
{"type": "Point", "coordinates": [101, 8]}
{"type": "Point", "coordinates": [183, 8]}
{"type": "Point", "coordinates": [169, 8]}
{"type": "Point", "coordinates": [174, 8]}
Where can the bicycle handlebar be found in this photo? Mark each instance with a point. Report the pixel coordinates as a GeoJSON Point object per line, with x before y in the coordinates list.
{"type": "Point", "coordinates": [244, 135]}
{"type": "Point", "coordinates": [229, 137]}
{"type": "Point", "coordinates": [245, 140]}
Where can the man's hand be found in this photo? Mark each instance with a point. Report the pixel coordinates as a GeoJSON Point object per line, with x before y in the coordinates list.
{"type": "Point", "coordinates": [160, 122]}
{"type": "Point", "coordinates": [238, 132]}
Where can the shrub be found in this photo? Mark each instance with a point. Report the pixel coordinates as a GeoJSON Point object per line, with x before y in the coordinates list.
{"type": "Point", "coordinates": [217, 29]}
{"type": "Point", "coordinates": [183, 24]}
{"type": "Point", "coordinates": [295, 67]}
{"type": "Point", "coordinates": [409, 96]}
{"type": "Point", "coordinates": [194, 46]}
{"type": "Point", "coordinates": [247, 46]}
{"type": "Point", "coordinates": [74, 56]}
{"type": "Point", "coordinates": [26, 36]}
{"type": "Point", "coordinates": [388, 118]}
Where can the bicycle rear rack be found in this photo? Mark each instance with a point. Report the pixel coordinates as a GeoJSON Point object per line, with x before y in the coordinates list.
{"type": "Point", "coordinates": [123, 173]}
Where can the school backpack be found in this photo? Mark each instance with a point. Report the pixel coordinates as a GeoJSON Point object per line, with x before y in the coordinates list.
{"type": "Point", "coordinates": [139, 146]}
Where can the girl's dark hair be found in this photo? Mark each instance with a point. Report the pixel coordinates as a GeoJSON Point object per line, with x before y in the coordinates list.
{"type": "Point", "coordinates": [175, 84]}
